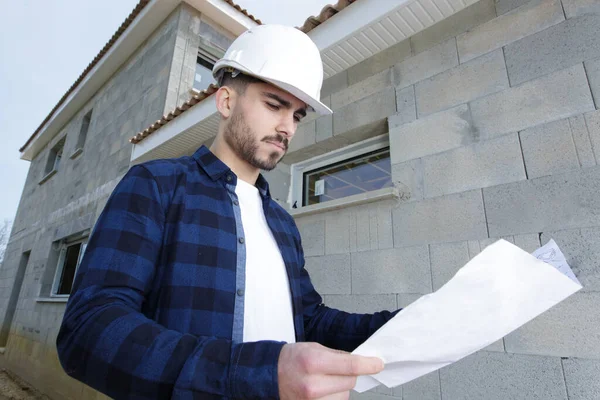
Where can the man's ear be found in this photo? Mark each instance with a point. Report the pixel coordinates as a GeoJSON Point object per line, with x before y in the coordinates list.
{"type": "Point", "coordinates": [225, 98]}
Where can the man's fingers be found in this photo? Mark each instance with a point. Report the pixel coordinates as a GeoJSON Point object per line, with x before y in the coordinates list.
{"type": "Point", "coordinates": [335, 363]}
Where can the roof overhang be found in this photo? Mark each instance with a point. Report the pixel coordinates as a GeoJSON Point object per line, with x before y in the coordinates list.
{"type": "Point", "coordinates": [148, 20]}
{"type": "Point", "coordinates": [359, 31]}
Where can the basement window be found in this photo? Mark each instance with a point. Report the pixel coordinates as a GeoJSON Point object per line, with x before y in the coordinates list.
{"type": "Point", "coordinates": [356, 174]}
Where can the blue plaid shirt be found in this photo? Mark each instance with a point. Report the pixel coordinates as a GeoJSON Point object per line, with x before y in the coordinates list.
{"type": "Point", "coordinates": [157, 305]}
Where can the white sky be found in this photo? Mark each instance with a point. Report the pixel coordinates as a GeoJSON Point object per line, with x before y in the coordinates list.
{"type": "Point", "coordinates": [46, 45]}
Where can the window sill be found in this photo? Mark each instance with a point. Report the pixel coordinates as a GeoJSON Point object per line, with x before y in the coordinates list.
{"type": "Point", "coordinates": [76, 153]}
{"type": "Point", "coordinates": [52, 299]}
{"type": "Point", "coordinates": [48, 176]}
{"type": "Point", "coordinates": [355, 200]}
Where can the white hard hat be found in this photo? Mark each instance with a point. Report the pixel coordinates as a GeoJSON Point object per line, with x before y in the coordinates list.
{"type": "Point", "coordinates": [281, 55]}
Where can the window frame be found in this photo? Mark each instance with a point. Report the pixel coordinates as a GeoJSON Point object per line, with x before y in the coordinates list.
{"type": "Point", "coordinates": [49, 171]}
{"type": "Point", "coordinates": [60, 264]}
{"type": "Point", "coordinates": [346, 153]}
{"type": "Point", "coordinates": [203, 56]}
{"type": "Point", "coordinates": [82, 137]}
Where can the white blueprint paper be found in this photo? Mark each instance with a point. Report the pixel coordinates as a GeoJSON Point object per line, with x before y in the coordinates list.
{"type": "Point", "coordinates": [496, 292]}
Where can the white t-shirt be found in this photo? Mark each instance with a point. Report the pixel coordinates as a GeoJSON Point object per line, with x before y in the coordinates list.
{"type": "Point", "coordinates": [267, 299]}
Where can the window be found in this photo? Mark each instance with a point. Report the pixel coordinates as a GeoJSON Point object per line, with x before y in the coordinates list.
{"type": "Point", "coordinates": [204, 77]}
{"type": "Point", "coordinates": [55, 156]}
{"type": "Point", "coordinates": [69, 259]}
{"type": "Point", "coordinates": [360, 171]}
{"type": "Point", "coordinates": [85, 126]}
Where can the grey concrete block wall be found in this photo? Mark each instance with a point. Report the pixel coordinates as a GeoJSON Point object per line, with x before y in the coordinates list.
{"type": "Point", "coordinates": [549, 149]}
{"type": "Point", "coordinates": [469, 81]}
{"type": "Point", "coordinates": [500, 376]}
{"type": "Point", "coordinates": [521, 22]}
{"type": "Point", "coordinates": [562, 94]}
{"type": "Point", "coordinates": [582, 378]}
{"type": "Point", "coordinates": [476, 156]}
{"type": "Point", "coordinates": [563, 45]}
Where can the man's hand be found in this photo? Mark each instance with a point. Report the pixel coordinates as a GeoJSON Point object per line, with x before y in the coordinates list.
{"type": "Point", "coordinates": [312, 371]}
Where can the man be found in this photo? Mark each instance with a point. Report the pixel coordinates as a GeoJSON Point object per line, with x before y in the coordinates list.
{"type": "Point", "coordinates": [193, 282]}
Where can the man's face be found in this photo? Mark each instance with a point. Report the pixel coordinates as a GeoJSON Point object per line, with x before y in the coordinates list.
{"type": "Point", "coordinates": [262, 124]}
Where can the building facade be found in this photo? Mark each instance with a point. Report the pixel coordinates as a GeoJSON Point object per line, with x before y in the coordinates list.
{"type": "Point", "coordinates": [455, 124]}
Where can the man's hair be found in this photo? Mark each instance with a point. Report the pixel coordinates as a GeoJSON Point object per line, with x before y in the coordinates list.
{"type": "Point", "coordinates": [240, 83]}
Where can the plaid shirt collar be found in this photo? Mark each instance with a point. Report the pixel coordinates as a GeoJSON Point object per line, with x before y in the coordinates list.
{"type": "Point", "coordinates": [217, 169]}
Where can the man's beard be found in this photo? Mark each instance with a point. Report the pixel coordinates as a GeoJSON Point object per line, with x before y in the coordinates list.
{"type": "Point", "coordinates": [242, 140]}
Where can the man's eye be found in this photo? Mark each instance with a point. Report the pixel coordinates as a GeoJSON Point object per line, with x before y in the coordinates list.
{"type": "Point", "coordinates": [273, 106]}
{"type": "Point", "coordinates": [297, 118]}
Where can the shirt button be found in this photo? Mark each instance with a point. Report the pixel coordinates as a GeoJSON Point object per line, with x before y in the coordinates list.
{"type": "Point", "coordinates": [241, 240]}
{"type": "Point", "coordinates": [229, 178]}
{"type": "Point", "coordinates": [240, 292]}
{"type": "Point", "coordinates": [236, 202]}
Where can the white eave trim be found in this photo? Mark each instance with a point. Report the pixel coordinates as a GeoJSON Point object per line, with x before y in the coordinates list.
{"type": "Point", "coordinates": [185, 121]}
{"type": "Point", "coordinates": [352, 19]}
{"type": "Point", "coordinates": [224, 14]}
{"type": "Point", "coordinates": [140, 29]}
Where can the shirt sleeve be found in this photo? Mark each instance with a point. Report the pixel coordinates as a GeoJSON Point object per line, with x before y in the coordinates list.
{"type": "Point", "coordinates": [330, 327]}
{"type": "Point", "coordinates": [105, 340]}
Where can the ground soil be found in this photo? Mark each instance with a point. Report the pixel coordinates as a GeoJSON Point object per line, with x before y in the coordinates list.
{"type": "Point", "coordinates": [13, 388]}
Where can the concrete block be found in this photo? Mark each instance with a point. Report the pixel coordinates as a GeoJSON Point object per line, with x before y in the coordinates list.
{"type": "Point", "coordinates": [581, 247]}
{"type": "Point", "coordinates": [467, 18]}
{"type": "Point", "coordinates": [581, 377]}
{"type": "Point", "coordinates": [556, 96]}
{"type": "Point", "coordinates": [549, 149]}
{"type": "Point", "coordinates": [488, 163]}
{"type": "Point", "coordinates": [373, 228]}
{"type": "Point", "coordinates": [391, 271]}
{"type": "Point", "coordinates": [474, 248]}
{"type": "Point", "coordinates": [408, 179]}
{"type": "Point", "coordinates": [504, 6]}
{"type": "Point", "coordinates": [479, 77]}
{"type": "Point", "coordinates": [379, 62]}
{"type": "Point", "coordinates": [338, 226]}
{"type": "Point", "coordinates": [313, 236]}
{"type": "Point", "coordinates": [554, 202]}
{"type": "Point", "coordinates": [592, 120]}
{"type": "Point", "coordinates": [371, 109]}
{"type": "Point", "coordinates": [305, 136]}
{"type": "Point", "coordinates": [500, 376]}
{"type": "Point", "coordinates": [362, 89]}
{"type": "Point", "coordinates": [405, 299]}
{"type": "Point", "coordinates": [446, 260]}
{"type": "Point", "coordinates": [324, 126]}
{"type": "Point", "coordinates": [406, 106]}
{"type": "Point", "coordinates": [569, 329]}
{"type": "Point", "coordinates": [330, 274]}
{"type": "Point", "coordinates": [592, 69]}
{"type": "Point", "coordinates": [363, 303]}
{"type": "Point", "coordinates": [442, 219]}
{"type": "Point", "coordinates": [568, 43]}
{"type": "Point", "coordinates": [574, 8]}
{"type": "Point", "coordinates": [519, 23]}
{"type": "Point", "coordinates": [583, 144]}
{"type": "Point", "coordinates": [334, 83]}
{"type": "Point", "coordinates": [529, 242]}
{"type": "Point", "coordinates": [433, 134]}
{"type": "Point", "coordinates": [426, 64]}
{"type": "Point", "coordinates": [426, 387]}
{"type": "Point", "coordinates": [371, 395]}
